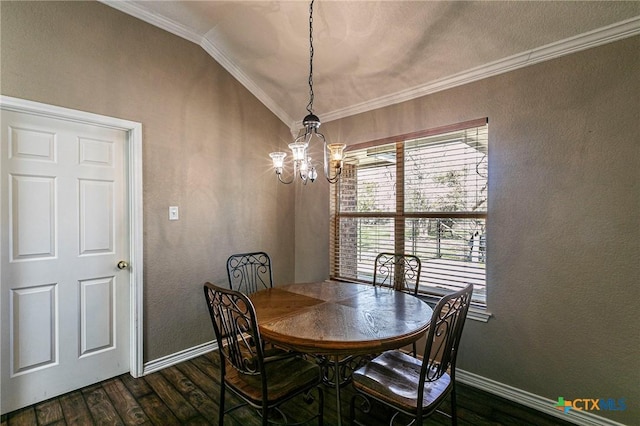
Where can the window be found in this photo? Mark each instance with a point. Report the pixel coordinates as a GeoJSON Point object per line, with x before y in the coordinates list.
{"type": "Point", "coordinates": [423, 194]}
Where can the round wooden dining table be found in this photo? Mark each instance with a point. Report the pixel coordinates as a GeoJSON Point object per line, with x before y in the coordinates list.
{"type": "Point", "coordinates": [338, 319]}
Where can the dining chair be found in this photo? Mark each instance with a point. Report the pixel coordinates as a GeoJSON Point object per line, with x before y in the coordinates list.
{"type": "Point", "coordinates": [263, 378]}
{"type": "Point", "coordinates": [249, 272]}
{"type": "Point", "coordinates": [416, 387]}
{"type": "Point", "coordinates": [397, 270]}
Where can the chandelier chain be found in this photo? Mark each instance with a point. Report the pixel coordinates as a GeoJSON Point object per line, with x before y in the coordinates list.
{"type": "Point", "coordinates": [310, 104]}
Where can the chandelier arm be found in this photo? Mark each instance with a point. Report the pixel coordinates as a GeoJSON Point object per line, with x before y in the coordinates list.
{"type": "Point", "coordinates": [293, 175]}
{"type": "Point", "coordinates": [285, 181]}
{"type": "Point", "coordinates": [336, 178]}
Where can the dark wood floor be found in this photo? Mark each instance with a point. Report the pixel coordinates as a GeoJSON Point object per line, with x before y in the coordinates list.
{"type": "Point", "coordinates": [188, 394]}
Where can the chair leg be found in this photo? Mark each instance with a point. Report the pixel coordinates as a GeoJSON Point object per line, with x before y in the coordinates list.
{"type": "Point", "coordinates": [365, 407]}
{"type": "Point", "coordinates": [352, 411]}
{"type": "Point", "coordinates": [454, 415]}
{"type": "Point", "coordinates": [320, 406]}
{"type": "Point", "coordinates": [221, 412]}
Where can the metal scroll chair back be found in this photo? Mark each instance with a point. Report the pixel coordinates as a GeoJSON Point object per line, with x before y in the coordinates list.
{"type": "Point", "coordinates": [397, 270]}
{"type": "Point", "coordinates": [236, 329]}
{"type": "Point", "coordinates": [445, 331]}
{"type": "Point", "coordinates": [262, 378]}
{"type": "Point", "coordinates": [249, 272]}
{"type": "Point", "coordinates": [400, 272]}
{"type": "Point", "coordinates": [416, 387]}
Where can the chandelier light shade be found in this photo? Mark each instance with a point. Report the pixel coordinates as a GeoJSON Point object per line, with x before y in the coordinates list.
{"type": "Point", "coordinates": [303, 167]}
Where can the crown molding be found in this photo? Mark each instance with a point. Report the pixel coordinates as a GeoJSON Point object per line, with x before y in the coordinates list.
{"type": "Point", "coordinates": [598, 37]}
{"type": "Point", "coordinates": [149, 17]}
{"type": "Point", "coordinates": [249, 84]}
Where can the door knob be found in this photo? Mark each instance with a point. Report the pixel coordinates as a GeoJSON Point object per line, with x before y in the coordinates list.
{"type": "Point", "coordinates": [122, 264]}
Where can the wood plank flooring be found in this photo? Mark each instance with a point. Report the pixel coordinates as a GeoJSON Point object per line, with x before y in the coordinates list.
{"type": "Point", "coordinates": [188, 394]}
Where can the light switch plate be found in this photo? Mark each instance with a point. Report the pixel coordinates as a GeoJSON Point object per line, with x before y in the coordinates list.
{"type": "Point", "coordinates": [173, 213]}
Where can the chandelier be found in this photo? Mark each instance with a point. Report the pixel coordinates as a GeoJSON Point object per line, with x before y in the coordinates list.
{"type": "Point", "coordinates": [302, 164]}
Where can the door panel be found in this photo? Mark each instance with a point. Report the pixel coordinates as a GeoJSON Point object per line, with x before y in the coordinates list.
{"type": "Point", "coordinates": [97, 328]}
{"type": "Point", "coordinates": [32, 216]}
{"type": "Point", "coordinates": [65, 304]}
{"type": "Point", "coordinates": [96, 217]}
{"type": "Point", "coordinates": [33, 332]}
{"type": "Point", "coordinates": [32, 144]}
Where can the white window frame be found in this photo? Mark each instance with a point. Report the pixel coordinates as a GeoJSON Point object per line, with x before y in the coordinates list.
{"type": "Point", "coordinates": [431, 293]}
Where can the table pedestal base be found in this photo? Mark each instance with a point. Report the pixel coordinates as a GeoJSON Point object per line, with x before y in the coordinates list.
{"type": "Point", "coordinates": [338, 372]}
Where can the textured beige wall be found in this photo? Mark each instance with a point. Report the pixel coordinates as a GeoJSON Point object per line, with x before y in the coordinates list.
{"type": "Point", "coordinates": [563, 210]}
{"type": "Point", "coordinates": [205, 145]}
{"type": "Point", "coordinates": [564, 221]}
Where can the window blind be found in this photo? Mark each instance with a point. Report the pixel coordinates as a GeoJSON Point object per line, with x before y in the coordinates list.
{"type": "Point", "coordinates": [423, 194]}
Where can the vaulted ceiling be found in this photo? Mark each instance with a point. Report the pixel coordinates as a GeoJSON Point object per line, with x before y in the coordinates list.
{"type": "Point", "coordinates": [369, 54]}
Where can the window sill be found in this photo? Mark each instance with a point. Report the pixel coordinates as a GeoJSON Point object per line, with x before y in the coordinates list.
{"type": "Point", "coordinates": [476, 313]}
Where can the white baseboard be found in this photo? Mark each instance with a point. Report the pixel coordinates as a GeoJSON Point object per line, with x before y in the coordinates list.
{"type": "Point", "coordinates": [178, 357]}
{"type": "Point", "coordinates": [536, 402]}
{"type": "Point", "coordinates": [519, 396]}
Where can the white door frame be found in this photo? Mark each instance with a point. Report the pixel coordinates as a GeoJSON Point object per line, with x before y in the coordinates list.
{"type": "Point", "coordinates": [134, 185]}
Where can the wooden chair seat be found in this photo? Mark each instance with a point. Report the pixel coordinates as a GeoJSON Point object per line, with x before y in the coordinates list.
{"type": "Point", "coordinates": [393, 377]}
{"type": "Point", "coordinates": [287, 376]}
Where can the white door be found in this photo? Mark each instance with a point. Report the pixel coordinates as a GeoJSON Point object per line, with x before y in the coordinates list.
{"type": "Point", "coordinates": [64, 301]}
